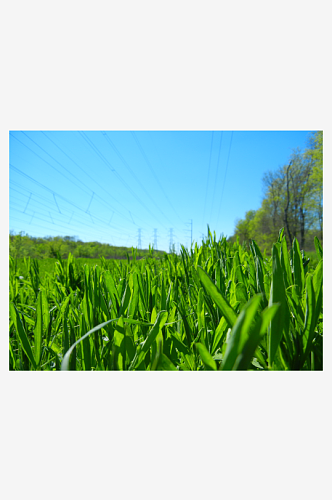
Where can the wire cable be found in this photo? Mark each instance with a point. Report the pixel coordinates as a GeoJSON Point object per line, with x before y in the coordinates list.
{"type": "Point", "coordinates": [169, 201]}
{"type": "Point", "coordinates": [66, 225]}
{"type": "Point", "coordinates": [49, 229]}
{"type": "Point", "coordinates": [79, 222]}
{"type": "Point", "coordinates": [94, 180]}
{"type": "Point", "coordinates": [222, 192]}
{"type": "Point", "coordinates": [208, 177]}
{"type": "Point", "coordinates": [75, 177]}
{"type": "Point", "coordinates": [53, 192]}
{"type": "Point", "coordinates": [48, 163]}
{"type": "Point", "coordinates": [108, 164]}
{"type": "Point", "coordinates": [113, 227]}
{"type": "Point", "coordinates": [131, 171]}
{"type": "Point", "coordinates": [151, 169]}
{"type": "Point", "coordinates": [216, 177]}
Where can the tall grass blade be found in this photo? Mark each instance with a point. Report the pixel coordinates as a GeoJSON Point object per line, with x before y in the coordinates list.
{"type": "Point", "coordinates": [319, 248]}
{"type": "Point", "coordinates": [39, 329]}
{"type": "Point", "coordinates": [240, 332]}
{"type": "Point", "coordinates": [216, 296]}
{"type": "Point", "coordinates": [22, 335]}
{"type": "Point", "coordinates": [206, 357]}
{"type": "Point", "coordinates": [277, 295]}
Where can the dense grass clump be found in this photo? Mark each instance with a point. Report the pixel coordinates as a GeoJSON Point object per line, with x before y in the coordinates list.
{"type": "Point", "coordinates": [215, 307]}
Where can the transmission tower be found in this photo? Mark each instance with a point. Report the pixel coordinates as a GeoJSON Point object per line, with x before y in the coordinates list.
{"type": "Point", "coordinates": [191, 230]}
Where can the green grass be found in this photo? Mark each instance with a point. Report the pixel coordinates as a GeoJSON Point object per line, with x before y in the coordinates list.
{"type": "Point", "coordinates": [47, 265]}
{"type": "Point", "coordinates": [215, 307]}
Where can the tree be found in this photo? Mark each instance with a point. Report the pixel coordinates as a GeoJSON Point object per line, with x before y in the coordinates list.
{"type": "Point", "coordinates": [292, 199]}
{"type": "Point", "coordinates": [314, 153]}
{"type": "Point", "coordinates": [243, 228]}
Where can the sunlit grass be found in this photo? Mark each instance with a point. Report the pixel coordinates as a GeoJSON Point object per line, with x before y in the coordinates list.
{"type": "Point", "coordinates": [215, 307]}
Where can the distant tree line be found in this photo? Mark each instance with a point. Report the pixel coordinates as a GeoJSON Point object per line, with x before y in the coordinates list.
{"type": "Point", "coordinates": [293, 199]}
{"type": "Point", "coordinates": [22, 245]}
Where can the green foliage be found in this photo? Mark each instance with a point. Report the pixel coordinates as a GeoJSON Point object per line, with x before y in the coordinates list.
{"type": "Point", "coordinates": [293, 199]}
{"type": "Point", "coordinates": [219, 306]}
{"type": "Point", "coordinates": [21, 246]}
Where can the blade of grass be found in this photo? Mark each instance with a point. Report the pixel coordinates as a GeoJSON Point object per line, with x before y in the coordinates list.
{"type": "Point", "coordinates": [240, 332]}
{"type": "Point", "coordinates": [38, 332]}
{"type": "Point", "coordinates": [277, 295]}
{"type": "Point", "coordinates": [22, 335]}
{"type": "Point", "coordinates": [218, 299]}
{"type": "Point", "coordinates": [208, 362]}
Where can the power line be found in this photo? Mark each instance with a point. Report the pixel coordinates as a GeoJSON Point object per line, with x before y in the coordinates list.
{"type": "Point", "coordinates": [57, 223]}
{"type": "Point", "coordinates": [191, 230]}
{"type": "Point", "coordinates": [161, 184]}
{"type": "Point", "coordinates": [95, 149]}
{"type": "Point", "coordinates": [86, 235]}
{"type": "Point", "coordinates": [75, 177]}
{"type": "Point", "coordinates": [48, 163]}
{"type": "Point", "coordinates": [131, 171]}
{"type": "Point", "coordinates": [27, 203]}
{"type": "Point", "coordinates": [208, 177]}
{"type": "Point", "coordinates": [108, 164]}
{"type": "Point", "coordinates": [114, 228]}
{"type": "Point", "coordinates": [61, 173]}
{"type": "Point", "coordinates": [222, 192]}
{"type": "Point", "coordinates": [215, 180]}
{"type": "Point", "coordinates": [90, 202]}
{"type": "Point", "coordinates": [83, 223]}
{"type": "Point", "coordinates": [53, 192]}
{"type": "Point", "coordinates": [56, 203]}
{"type": "Point", "coordinates": [86, 173]}
{"type": "Point", "coordinates": [151, 169]}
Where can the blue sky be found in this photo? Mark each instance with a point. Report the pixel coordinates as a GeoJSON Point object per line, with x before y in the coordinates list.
{"type": "Point", "coordinates": [122, 187]}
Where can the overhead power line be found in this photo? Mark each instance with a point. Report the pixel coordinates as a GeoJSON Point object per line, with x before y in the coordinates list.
{"type": "Point", "coordinates": [112, 169]}
{"type": "Point", "coordinates": [93, 179]}
{"type": "Point", "coordinates": [132, 172]}
{"type": "Point", "coordinates": [77, 221]}
{"type": "Point", "coordinates": [208, 177]}
{"type": "Point", "coordinates": [216, 177]}
{"type": "Point", "coordinates": [223, 187]}
{"type": "Point", "coordinates": [140, 147]}
{"type": "Point", "coordinates": [77, 180]}
{"type": "Point", "coordinates": [54, 193]}
{"type": "Point", "coordinates": [161, 186]}
{"type": "Point", "coordinates": [50, 229]}
{"type": "Point", "coordinates": [27, 203]}
{"type": "Point", "coordinates": [43, 159]}
{"type": "Point", "coordinates": [62, 223]}
{"type": "Point", "coordinates": [51, 205]}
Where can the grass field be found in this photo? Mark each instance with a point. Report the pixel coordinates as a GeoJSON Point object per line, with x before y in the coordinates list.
{"type": "Point", "coordinates": [215, 307]}
{"type": "Point", "coordinates": [48, 265]}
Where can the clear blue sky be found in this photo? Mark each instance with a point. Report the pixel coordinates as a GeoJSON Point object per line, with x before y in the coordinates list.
{"type": "Point", "coordinates": [114, 186]}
